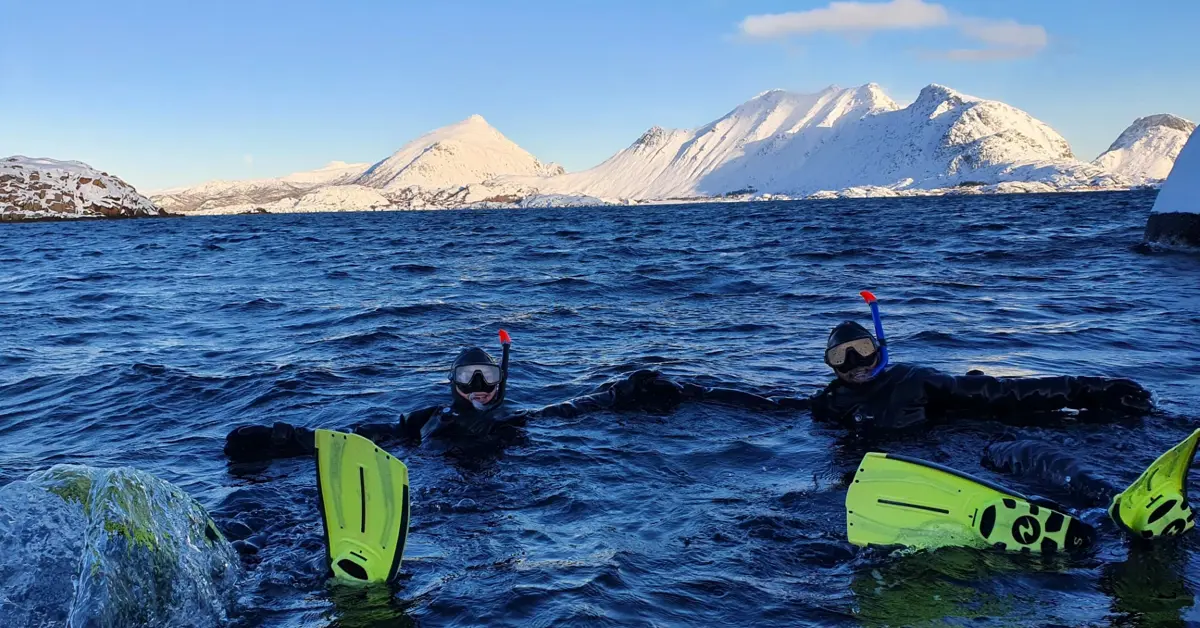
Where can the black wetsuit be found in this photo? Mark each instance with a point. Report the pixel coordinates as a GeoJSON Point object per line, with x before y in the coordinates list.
{"type": "Point", "coordinates": [906, 397]}
{"type": "Point", "coordinates": [639, 390]}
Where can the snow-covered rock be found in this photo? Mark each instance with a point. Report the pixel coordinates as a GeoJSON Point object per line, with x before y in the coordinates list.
{"type": "Point", "coordinates": [1176, 215]}
{"type": "Point", "coordinates": [471, 151]}
{"type": "Point", "coordinates": [1146, 151]}
{"type": "Point", "coordinates": [38, 189]}
{"type": "Point", "coordinates": [215, 195]}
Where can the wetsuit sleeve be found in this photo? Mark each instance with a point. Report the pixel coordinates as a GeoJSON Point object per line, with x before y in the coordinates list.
{"type": "Point", "coordinates": [1050, 466]}
{"type": "Point", "coordinates": [282, 440]}
{"type": "Point", "coordinates": [260, 442]}
{"type": "Point", "coordinates": [408, 427]}
{"type": "Point", "coordinates": [999, 396]}
{"type": "Point", "coordinates": [742, 398]}
{"type": "Point", "coordinates": [824, 410]}
{"type": "Point", "coordinates": [648, 390]}
{"type": "Point", "coordinates": [641, 390]}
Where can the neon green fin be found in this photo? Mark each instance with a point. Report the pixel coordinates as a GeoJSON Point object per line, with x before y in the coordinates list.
{"type": "Point", "coordinates": [363, 492]}
{"type": "Point", "coordinates": [897, 500]}
{"type": "Point", "coordinates": [1156, 505]}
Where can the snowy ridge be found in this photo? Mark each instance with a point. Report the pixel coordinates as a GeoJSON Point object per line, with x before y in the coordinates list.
{"type": "Point", "coordinates": [798, 144]}
{"type": "Point", "coordinates": [219, 194]}
{"type": "Point", "coordinates": [837, 142]}
{"type": "Point", "coordinates": [683, 163]}
{"type": "Point", "coordinates": [1146, 151]}
{"type": "Point", "coordinates": [35, 189]}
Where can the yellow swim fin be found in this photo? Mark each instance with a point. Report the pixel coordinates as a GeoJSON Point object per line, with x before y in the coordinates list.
{"type": "Point", "coordinates": [363, 492]}
{"type": "Point", "coordinates": [1156, 505]}
{"type": "Point", "coordinates": [898, 500]}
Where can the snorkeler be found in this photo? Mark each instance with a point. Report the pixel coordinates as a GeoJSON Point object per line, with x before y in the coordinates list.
{"type": "Point", "coordinates": [897, 500]}
{"type": "Point", "coordinates": [871, 396]}
{"type": "Point", "coordinates": [475, 410]}
{"type": "Point", "coordinates": [364, 491]}
{"type": "Point", "coordinates": [874, 398]}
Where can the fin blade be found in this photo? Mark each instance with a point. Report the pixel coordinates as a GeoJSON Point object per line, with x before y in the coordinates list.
{"type": "Point", "coordinates": [896, 500]}
{"type": "Point", "coordinates": [364, 494]}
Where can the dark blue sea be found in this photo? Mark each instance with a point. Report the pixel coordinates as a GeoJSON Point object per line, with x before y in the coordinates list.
{"type": "Point", "coordinates": [142, 343]}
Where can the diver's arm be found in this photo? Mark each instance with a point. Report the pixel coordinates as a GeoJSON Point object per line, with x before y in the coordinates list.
{"type": "Point", "coordinates": [640, 390]}
{"type": "Point", "coordinates": [742, 398]}
{"type": "Point", "coordinates": [648, 390]}
{"type": "Point", "coordinates": [408, 427]}
{"type": "Point", "coordinates": [1012, 395]}
{"type": "Point", "coordinates": [282, 440]}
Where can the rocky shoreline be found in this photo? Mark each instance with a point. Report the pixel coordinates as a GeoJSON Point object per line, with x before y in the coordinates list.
{"type": "Point", "coordinates": [34, 189]}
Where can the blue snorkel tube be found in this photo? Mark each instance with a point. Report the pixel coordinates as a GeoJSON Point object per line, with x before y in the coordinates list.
{"type": "Point", "coordinates": [874, 303]}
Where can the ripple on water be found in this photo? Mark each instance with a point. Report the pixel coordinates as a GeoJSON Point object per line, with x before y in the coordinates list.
{"type": "Point", "coordinates": [147, 354]}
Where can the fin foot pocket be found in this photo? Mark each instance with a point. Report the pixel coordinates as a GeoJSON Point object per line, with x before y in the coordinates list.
{"type": "Point", "coordinates": [1156, 504]}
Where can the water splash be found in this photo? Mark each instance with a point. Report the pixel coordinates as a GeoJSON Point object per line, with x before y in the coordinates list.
{"type": "Point", "coordinates": [83, 546]}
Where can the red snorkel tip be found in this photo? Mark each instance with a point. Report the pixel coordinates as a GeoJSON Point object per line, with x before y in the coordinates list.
{"type": "Point", "coordinates": [867, 296]}
{"type": "Point", "coordinates": [505, 339]}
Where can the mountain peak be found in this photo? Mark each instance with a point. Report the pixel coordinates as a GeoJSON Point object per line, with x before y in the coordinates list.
{"type": "Point", "coordinates": [1164, 120]}
{"type": "Point", "coordinates": [466, 152]}
{"type": "Point", "coordinates": [769, 93]}
{"type": "Point", "coordinates": [1146, 151]}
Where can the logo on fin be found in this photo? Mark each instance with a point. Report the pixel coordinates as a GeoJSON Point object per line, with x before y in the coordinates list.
{"type": "Point", "coordinates": [1026, 530]}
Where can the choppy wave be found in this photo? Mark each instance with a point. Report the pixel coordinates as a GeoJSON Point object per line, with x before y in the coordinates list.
{"type": "Point", "coordinates": [145, 342]}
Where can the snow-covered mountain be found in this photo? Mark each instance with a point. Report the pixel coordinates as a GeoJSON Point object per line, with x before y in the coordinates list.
{"type": "Point", "coordinates": [255, 192]}
{"type": "Point", "coordinates": [837, 142]}
{"type": "Point", "coordinates": [798, 144]}
{"type": "Point", "coordinates": [1147, 150]}
{"type": "Point", "coordinates": [471, 151]}
{"type": "Point", "coordinates": [34, 189]}
{"type": "Point", "coordinates": [442, 168]}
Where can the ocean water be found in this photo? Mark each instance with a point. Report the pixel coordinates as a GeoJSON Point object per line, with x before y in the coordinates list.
{"type": "Point", "coordinates": [143, 343]}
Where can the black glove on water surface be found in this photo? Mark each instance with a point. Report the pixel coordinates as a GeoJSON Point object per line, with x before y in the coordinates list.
{"type": "Point", "coordinates": [259, 442]}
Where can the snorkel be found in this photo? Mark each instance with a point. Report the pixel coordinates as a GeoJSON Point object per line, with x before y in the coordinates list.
{"type": "Point", "coordinates": [874, 303]}
{"type": "Point", "coordinates": [505, 344]}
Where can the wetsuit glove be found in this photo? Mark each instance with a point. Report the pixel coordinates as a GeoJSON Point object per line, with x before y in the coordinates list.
{"type": "Point", "coordinates": [1124, 395]}
{"type": "Point", "coordinates": [259, 442]}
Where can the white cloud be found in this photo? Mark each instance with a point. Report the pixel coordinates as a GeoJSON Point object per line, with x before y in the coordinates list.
{"type": "Point", "coordinates": [1004, 33]}
{"type": "Point", "coordinates": [999, 39]}
{"type": "Point", "coordinates": [848, 17]}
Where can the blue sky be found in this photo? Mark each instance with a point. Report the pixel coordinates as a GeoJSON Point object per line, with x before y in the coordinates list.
{"type": "Point", "coordinates": [174, 93]}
